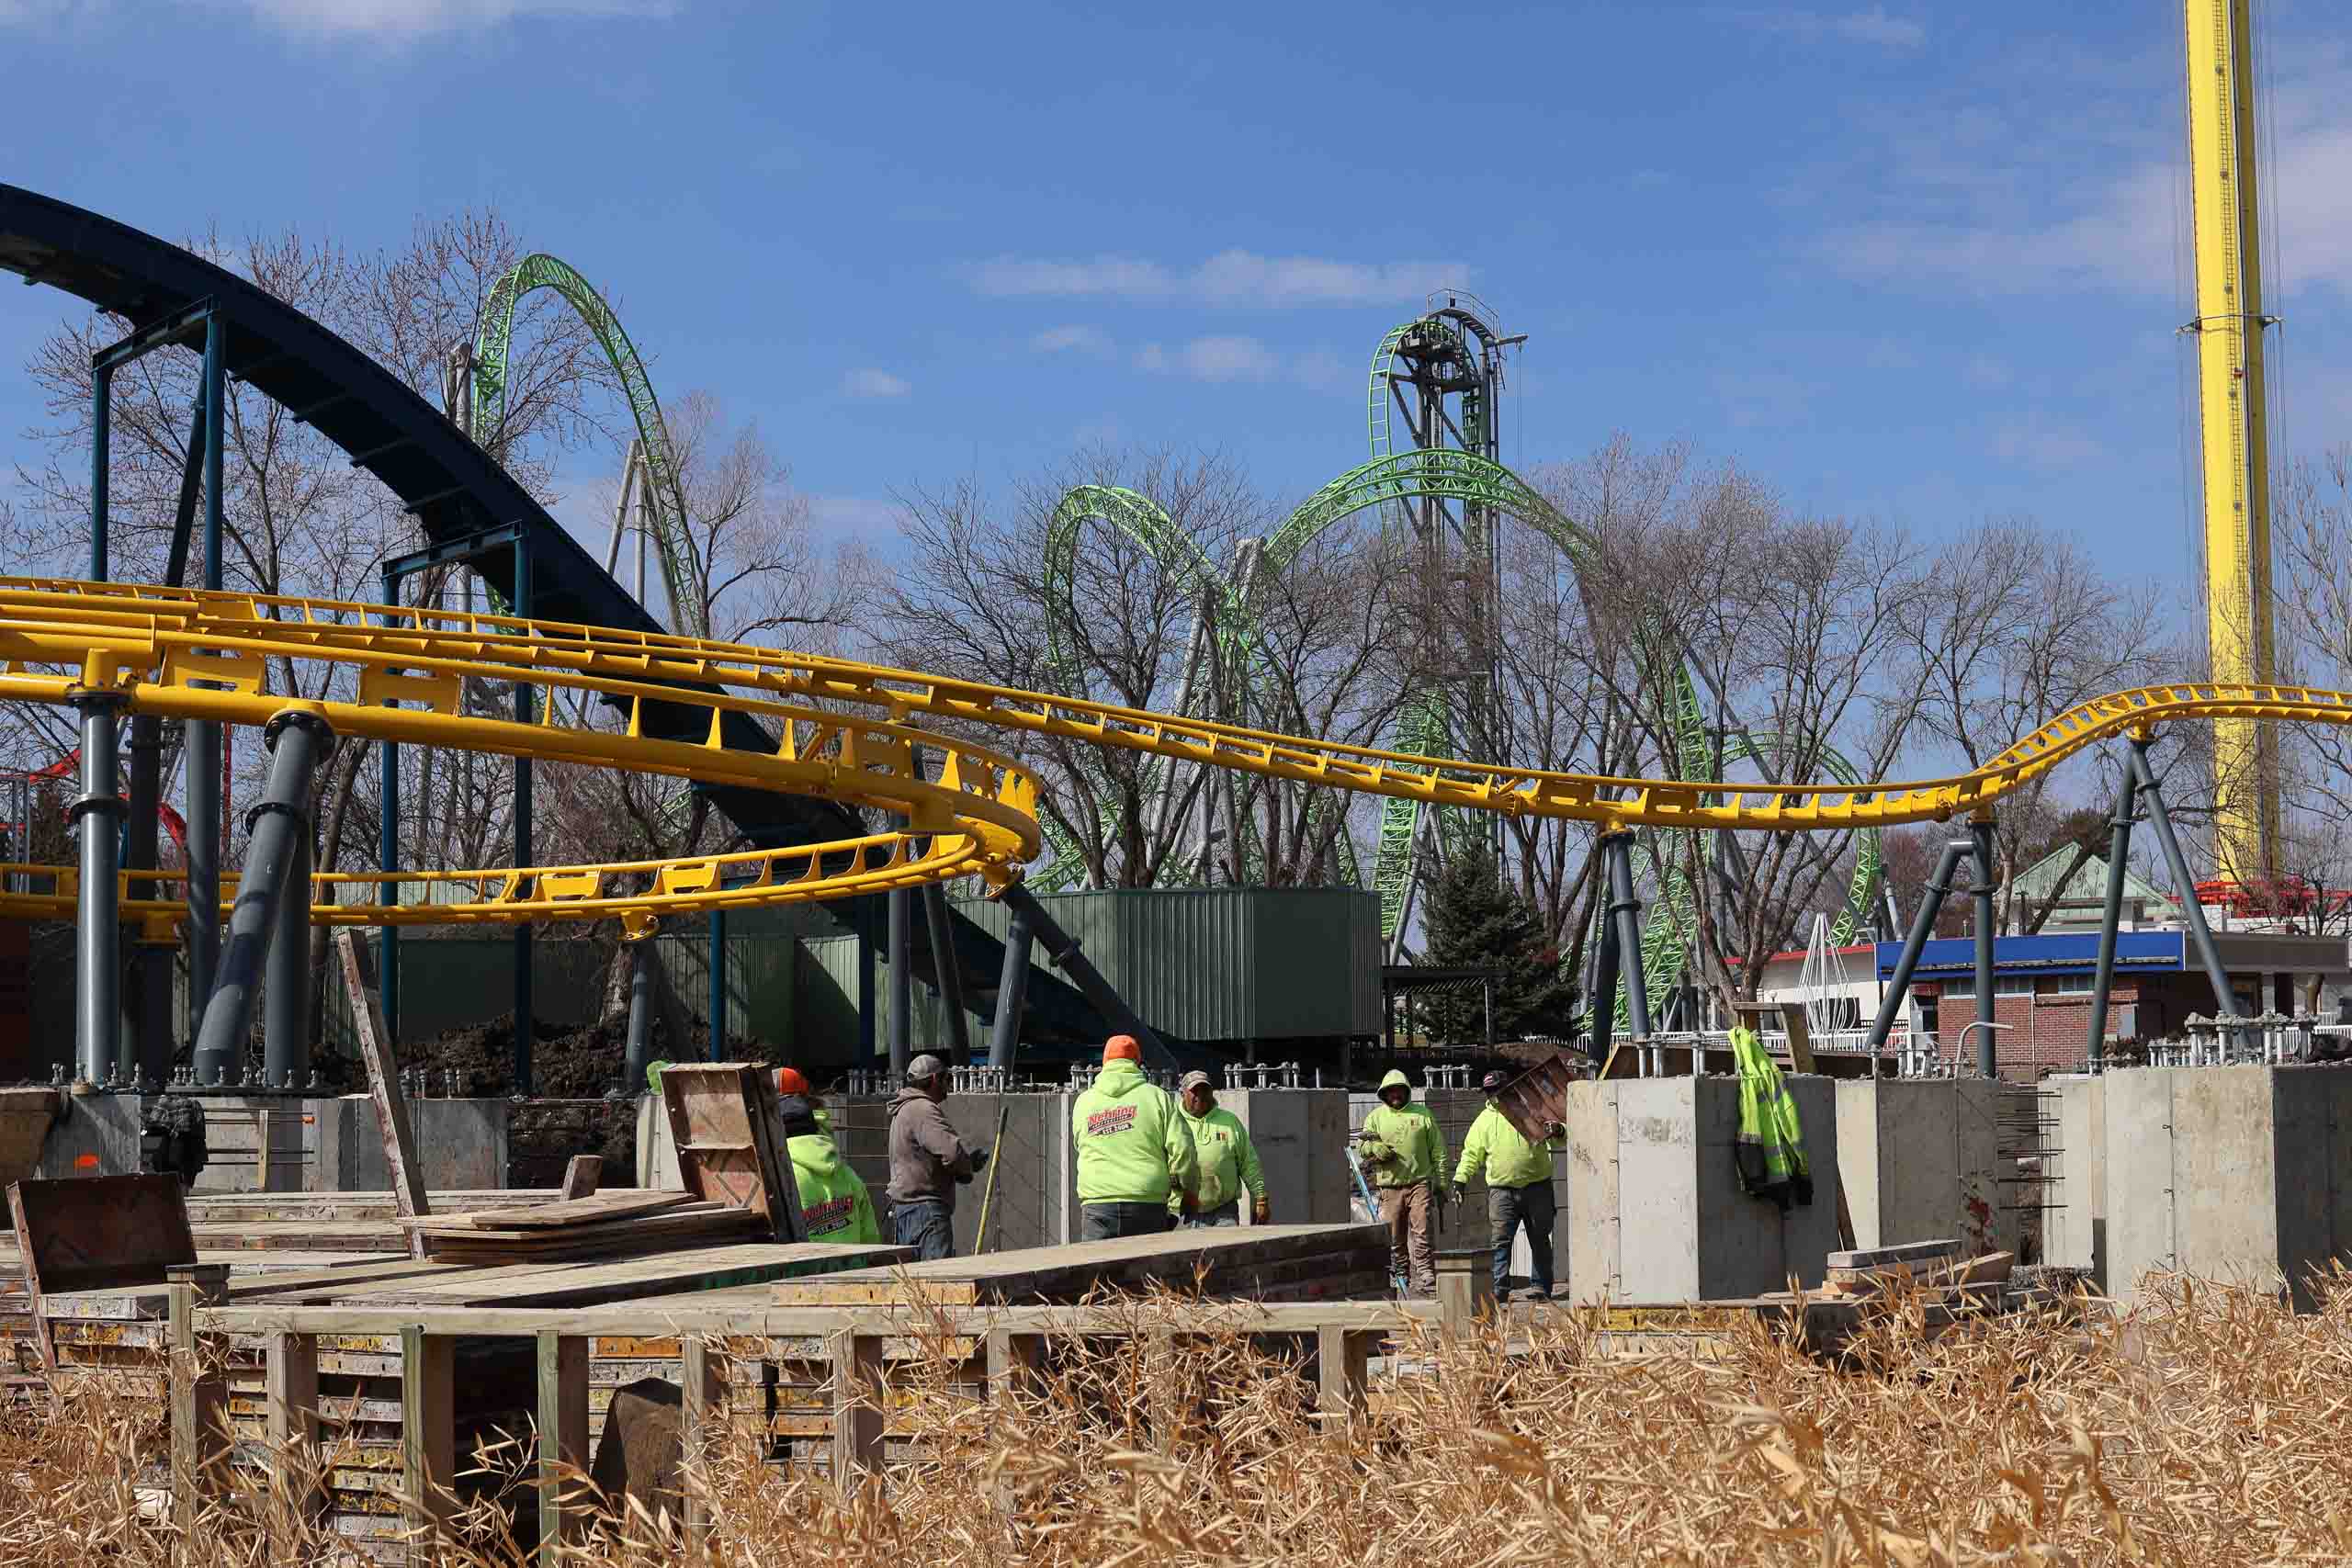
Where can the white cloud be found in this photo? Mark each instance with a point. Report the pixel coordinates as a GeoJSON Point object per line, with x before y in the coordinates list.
{"type": "Point", "coordinates": [1229, 278]}
{"type": "Point", "coordinates": [1072, 339]}
{"type": "Point", "coordinates": [1874, 26]}
{"type": "Point", "coordinates": [869, 383]}
{"type": "Point", "coordinates": [410, 18]}
{"type": "Point", "coordinates": [1232, 357]}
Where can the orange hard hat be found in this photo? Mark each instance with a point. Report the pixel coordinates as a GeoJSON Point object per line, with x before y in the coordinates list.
{"type": "Point", "coordinates": [1122, 1048]}
{"type": "Point", "coordinates": [789, 1081]}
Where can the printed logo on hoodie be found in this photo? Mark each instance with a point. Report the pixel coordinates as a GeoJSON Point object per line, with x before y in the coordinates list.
{"type": "Point", "coordinates": [1111, 1122]}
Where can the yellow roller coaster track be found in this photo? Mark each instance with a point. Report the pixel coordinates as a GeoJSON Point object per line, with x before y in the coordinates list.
{"type": "Point", "coordinates": [189, 654]}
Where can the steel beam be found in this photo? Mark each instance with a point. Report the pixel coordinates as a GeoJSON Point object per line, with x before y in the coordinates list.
{"type": "Point", "coordinates": [1626, 919]}
{"type": "Point", "coordinates": [524, 713]}
{"type": "Point", "coordinates": [902, 980]}
{"type": "Point", "coordinates": [1062, 949]}
{"type": "Point", "coordinates": [2119, 850]}
{"type": "Point", "coordinates": [2192, 913]}
{"type": "Point", "coordinates": [1923, 925]}
{"type": "Point", "coordinates": [101, 444]}
{"type": "Point", "coordinates": [97, 935]}
{"type": "Point", "coordinates": [715, 1036]}
{"type": "Point", "coordinates": [946, 973]}
{"type": "Point", "coordinates": [1980, 836]}
{"type": "Point", "coordinates": [203, 760]}
{"type": "Point", "coordinates": [1011, 990]}
{"type": "Point", "coordinates": [296, 741]}
{"type": "Point", "coordinates": [286, 987]}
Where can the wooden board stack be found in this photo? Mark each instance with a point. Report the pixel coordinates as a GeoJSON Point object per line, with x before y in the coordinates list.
{"type": "Point", "coordinates": [606, 1224]}
{"type": "Point", "coordinates": [1276, 1263]}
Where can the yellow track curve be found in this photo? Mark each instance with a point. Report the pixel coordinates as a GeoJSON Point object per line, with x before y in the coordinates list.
{"type": "Point", "coordinates": [190, 654]}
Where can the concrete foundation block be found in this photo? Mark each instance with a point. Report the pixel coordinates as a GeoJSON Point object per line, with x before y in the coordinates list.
{"type": "Point", "coordinates": [2077, 1171]}
{"type": "Point", "coordinates": [462, 1145]}
{"type": "Point", "coordinates": [1680, 1228]}
{"type": "Point", "coordinates": [1921, 1159]}
{"type": "Point", "coordinates": [2239, 1175]}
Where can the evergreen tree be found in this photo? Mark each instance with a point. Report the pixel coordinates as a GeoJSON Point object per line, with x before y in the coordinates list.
{"type": "Point", "coordinates": [1476, 919]}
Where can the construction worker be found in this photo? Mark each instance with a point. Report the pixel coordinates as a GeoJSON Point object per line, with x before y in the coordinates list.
{"type": "Point", "coordinates": [834, 1204]}
{"type": "Point", "coordinates": [928, 1162]}
{"type": "Point", "coordinates": [1405, 1149]}
{"type": "Point", "coordinates": [791, 1082]}
{"type": "Point", "coordinates": [1228, 1159]}
{"type": "Point", "coordinates": [1518, 1186]}
{"type": "Point", "coordinates": [1135, 1149]}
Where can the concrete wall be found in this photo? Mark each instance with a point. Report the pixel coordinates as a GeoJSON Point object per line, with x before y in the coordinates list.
{"type": "Point", "coordinates": [1656, 1212]}
{"type": "Point", "coordinates": [1921, 1160]}
{"type": "Point", "coordinates": [315, 1145]}
{"type": "Point", "coordinates": [2076, 1236]}
{"type": "Point", "coordinates": [2242, 1174]}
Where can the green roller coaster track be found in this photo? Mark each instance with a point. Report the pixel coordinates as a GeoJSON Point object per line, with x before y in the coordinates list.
{"type": "Point", "coordinates": [681, 566]}
{"type": "Point", "coordinates": [1466, 478]}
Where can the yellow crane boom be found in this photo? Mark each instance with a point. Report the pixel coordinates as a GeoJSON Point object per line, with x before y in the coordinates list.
{"type": "Point", "coordinates": [2232, 417]}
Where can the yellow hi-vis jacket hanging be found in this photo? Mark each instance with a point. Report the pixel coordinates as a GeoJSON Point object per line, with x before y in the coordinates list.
{"type": "Point", "coordinates": [1771, 1150]}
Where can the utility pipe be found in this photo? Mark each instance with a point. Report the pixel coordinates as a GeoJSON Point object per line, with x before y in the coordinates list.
{"type": "Point", "coordinates": [98, 935]}
{"type": "Point", "coordinates": [1980, 834]}
{"type": "Point", "coordinates": [1011, 988]}
{"type": "Point", "coordinates": [2118, 850]}
{"type": "Point", "coordinates": [297, 741]}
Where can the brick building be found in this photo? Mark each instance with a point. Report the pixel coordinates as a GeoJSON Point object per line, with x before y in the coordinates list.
{"type": "Point", "coordinates": [2043, 985]}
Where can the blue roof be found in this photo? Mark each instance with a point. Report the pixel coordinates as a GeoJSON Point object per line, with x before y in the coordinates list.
{"type": "Point", "coordinates": [2069, 952]}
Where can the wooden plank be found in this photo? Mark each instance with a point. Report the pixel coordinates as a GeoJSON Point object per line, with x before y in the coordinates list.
{"type": "Point", "coordinates": [580, 1174]}
{"type": "Point", "coordinates": [587, 1209]}
{"type": "Point", "coordinates": [383, 1083]}
{"type": "Point", "coordinates": [1343, 1370]}
{"type": "Point", "coordinates": [858, 1406]}
{"type": "Point", "coordinates": [428, 1429]}
{"type": "Point", "coordinates": [290, 1392]}
{"type": "Point", "coordinates": [563, 1442]}
{"type": "Point", "coordinates": [699, 1395]}
{"type": "Point", "coordinates": [197, 1400]}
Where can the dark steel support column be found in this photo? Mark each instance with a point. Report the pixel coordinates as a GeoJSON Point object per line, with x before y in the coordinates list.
{"type": "Point", "coordinates": [524, 713]}
{"type": "Point", "coordinates": [1603, 1012]}
{"type": "Point", "coordinates": [1011, 990]}
{"type": "Point", "coordinates": [903, 979]}
{"type": "Point", "coordinates": [640, 1016]}
{"type": "Point", "coordinates": [286, 987]}
{"type": "Point", "coordinates": [1062, 949]}
{"type": "Point", "coordinates": [101, 441]}
{"type": "Point", "coordinates": [2192, 913]}
{"type": "Point", "coordinates": [97, 933]}
{"type": "Point", "coordinates": [388, 856]}
{"type": "Point", "coordinates": [204, 735]}
{"type": "Point", "coordinates": [1625, 919]}
{"type": "Point", "coordinates": [2119, 850]}
{"type": "Point", "coordinates": [866, 1022]}
{"type": "Point", "coordinates": [296, 741]}
{"type": "Point", "coordinates": [715, 1036]}
{"type": "Point", "coordinates": [1988, 1001]}
{"type": "Point", "coordinates": [147, 1055]}
{"type": "Point", "coordinates": [1923, 925]}
{"type": "Point", "coordinates": [946, 972]}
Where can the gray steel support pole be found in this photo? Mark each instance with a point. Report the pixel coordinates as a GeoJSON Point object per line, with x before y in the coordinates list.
{"type": "Point", "coordinates": [2119, 850]}
{"type": "Point", "coordinates": [1923, 925]}
{"type": "Point", "coordinates": [1011, 990]}
{"type": "Point", "coordinates": [204, 735]}
{"type": "Point", "coordinates": [1603, 1012]}
{"type": "Point", "coordinates": [525, 1013]}
{"type": "Point", "coordinates": [1626, 919]}
{"type": "Point", "coordinates": [101, 440]}
{"type": "Point", "coordinates": [863, 916]}
{"type": "Point", "coordinates": [640, 1016]}
{"type": "Point", "coordinates": [947, 971]}
{"type": "Point", "coordinates": [902, 980]}
{"type": "Point", "coordinates": [2192, 913]}
{"type": "Point", "coordinates": [1062, 949]}
{"type": "Point", "coordinates": [286, 987]}
{"type": "Point", "coordinates": [147, 1055]}
{"type": "Point", "coordinates": [1988, 1001]}
{"type": "Point", "coordinates": [296, 741]}
{"type": "Point", "coordinates": [388, 857]}
{"type": "Point", "coordinates": [97, 933]}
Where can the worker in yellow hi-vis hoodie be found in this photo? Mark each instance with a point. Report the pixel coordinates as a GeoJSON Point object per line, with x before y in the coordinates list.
{"type": "Point", "coordinates": [1403, 1148]}
{"type": "Point", "coordinates": [1228, 1161]}
{"type": "Point", "coordinates": [1134, 1150]}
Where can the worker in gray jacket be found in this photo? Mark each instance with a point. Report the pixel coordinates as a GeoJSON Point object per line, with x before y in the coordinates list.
{"type": "Point", "coordinates": [928, 1162]}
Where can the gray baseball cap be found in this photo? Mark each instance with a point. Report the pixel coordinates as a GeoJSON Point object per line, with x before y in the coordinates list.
{"type": "Point", "coordinates": [1193, 1078]}
{"type": "Point", "coordinates": [924, 1066]}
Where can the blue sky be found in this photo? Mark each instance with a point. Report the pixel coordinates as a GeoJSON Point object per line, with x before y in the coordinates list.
{"type": "Point", "coordinates": [1910, 260]}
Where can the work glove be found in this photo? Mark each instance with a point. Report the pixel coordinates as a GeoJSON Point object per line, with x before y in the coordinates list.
{"type": "Point", "coordinates": [1262, 1212]}
{"type": "Point", "coordinates": [980, 1158]}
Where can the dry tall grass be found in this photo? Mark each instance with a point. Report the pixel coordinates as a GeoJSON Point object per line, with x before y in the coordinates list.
{"type": "Point", "coordinates": [2212, 1429]}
